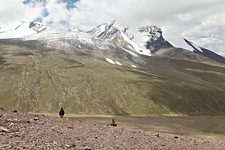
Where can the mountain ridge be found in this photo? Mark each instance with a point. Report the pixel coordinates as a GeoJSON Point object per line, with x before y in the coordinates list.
{"type": "Point", "coordinates": [147, 41]}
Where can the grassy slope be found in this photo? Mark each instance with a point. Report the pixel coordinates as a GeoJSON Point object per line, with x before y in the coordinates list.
{"type": "Point", "coordinates": [42, 82]}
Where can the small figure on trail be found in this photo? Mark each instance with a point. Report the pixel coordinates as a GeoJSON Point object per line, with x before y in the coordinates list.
{"type": "Point", "coordinates": [61, 112]}
{"type": "Point", "coordinates": [113, 123]}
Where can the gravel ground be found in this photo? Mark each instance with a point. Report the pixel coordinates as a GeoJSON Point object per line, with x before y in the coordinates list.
{"type": "Point", "coordinates": [29, 131]}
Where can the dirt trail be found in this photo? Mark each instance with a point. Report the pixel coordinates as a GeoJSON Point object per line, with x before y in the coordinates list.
{"type": "Point", "coordinates": [28, 131]}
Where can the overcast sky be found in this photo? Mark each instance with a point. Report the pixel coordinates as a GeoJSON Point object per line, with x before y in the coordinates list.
{"type": "Point", "coordinates": [202, 21]}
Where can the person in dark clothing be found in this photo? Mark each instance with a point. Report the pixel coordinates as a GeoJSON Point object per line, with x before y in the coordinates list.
{"type": "Point", "coordinates": [61, 112]}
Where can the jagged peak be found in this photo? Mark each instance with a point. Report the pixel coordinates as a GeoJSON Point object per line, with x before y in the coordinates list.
{"type": "Point", "coordinates": [110, 23]}
{"type": "Point", "coordinates": [153, 32]}
{"type": "Point", "coordinates": [103, 27]}
{"type": "Point", "coordinates": [106, 30]}
{"type": "Point", "coordinates": [195, 47]}
{"type": "Point", "coordinates": [150, 37]}
{"type": "Point", "coordinates": [150, 29]}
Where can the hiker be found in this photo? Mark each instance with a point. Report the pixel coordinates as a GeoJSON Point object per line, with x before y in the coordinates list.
{"type": "Point", "coordinates": [61, 112]}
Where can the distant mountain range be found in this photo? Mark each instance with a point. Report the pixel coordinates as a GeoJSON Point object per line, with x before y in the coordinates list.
{"type": "Point", "coordinates": [148, 40]}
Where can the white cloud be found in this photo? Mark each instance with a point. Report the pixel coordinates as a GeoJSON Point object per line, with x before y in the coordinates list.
{"type": "Point", "coordinates": [198, 20]}
{"type": "Point", "coordinates": [14, 11]}
{"type": "Point", "coordinates": [57, 13]}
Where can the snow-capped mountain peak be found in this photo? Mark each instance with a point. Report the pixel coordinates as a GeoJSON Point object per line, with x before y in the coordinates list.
{"type": "Point", "coordinates": [121, 38]}
{"type": "Point", "coordinates": [153, 32]}
{"type": "Point", "coordinates": [150, 37]}
{"type": "Point", "coordinates": [102, 30]}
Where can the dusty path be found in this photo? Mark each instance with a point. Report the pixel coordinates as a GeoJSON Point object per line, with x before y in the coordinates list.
{"type": "Point", "coordinates": [28, 131]}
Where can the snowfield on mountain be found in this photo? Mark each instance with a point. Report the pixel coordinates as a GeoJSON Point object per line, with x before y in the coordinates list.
{"type": "Point", "coordinates": [146, 41]}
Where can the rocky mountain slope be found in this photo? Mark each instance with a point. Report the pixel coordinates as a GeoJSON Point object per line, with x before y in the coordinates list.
{"type": "Point", "coordinates": [27, 131]}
